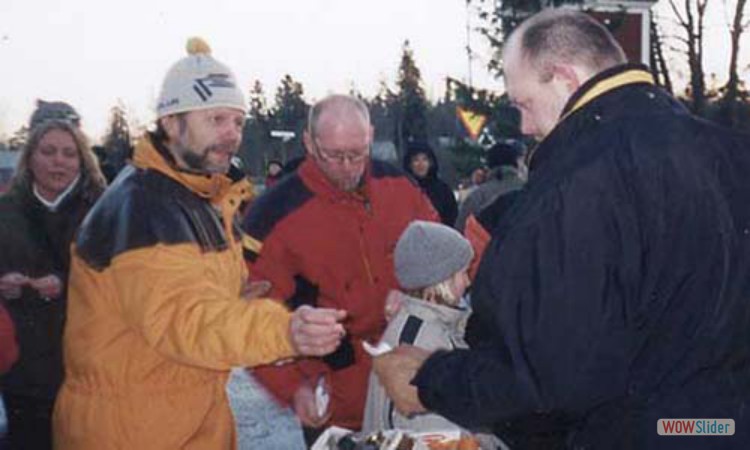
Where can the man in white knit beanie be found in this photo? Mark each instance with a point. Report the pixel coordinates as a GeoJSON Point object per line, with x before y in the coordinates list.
{"type": "Point", "coordinates": [157, 311]}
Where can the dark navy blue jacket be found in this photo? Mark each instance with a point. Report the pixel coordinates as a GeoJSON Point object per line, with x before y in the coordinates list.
{"type": "Point", "coordinates": [615, 291]}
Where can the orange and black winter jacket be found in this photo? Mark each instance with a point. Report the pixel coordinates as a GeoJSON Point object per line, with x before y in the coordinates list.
{"type": "Point", "coordinates": [155, 317]}
{"type": "Point", "coordinates": [319, 245]}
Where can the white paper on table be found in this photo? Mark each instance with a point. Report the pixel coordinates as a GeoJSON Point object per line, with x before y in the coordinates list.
{"type": "Point", "coordinates": [322, 399]}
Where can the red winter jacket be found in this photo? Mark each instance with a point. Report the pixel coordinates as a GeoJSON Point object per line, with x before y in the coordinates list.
{"type": "Point", "coordinates": [319, 245]}
{"type": "Point", "coordinates": [8, 345]}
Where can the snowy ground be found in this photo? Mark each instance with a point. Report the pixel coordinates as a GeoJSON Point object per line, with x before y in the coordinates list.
{"type": "Point", "coordinates": [261, 424]}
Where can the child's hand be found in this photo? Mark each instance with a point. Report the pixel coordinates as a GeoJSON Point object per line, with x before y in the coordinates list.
{"type": "Point", "coordinates": [393, 304]}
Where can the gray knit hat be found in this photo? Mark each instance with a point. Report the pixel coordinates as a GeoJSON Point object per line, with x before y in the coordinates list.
{"type": "Point", "coordinates": [428, 253]}
{"type": "Point", "coordinates": [198, 81]}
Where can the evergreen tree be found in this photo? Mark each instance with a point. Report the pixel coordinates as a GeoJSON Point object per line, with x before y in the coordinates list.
{"type": "Point", "coordinates": [290, 114]}
{"type": "Point", "coordinates": [257, 105]}
{"type": "Point", "coordinates": [409, 105]}
{"type": "Point", "coordinates": [381, 115]}
{"type": "Point", "coordinates": [18, 140]}
{"type": "Point", "coordinates": [118, 147]}
{"type": "Point", "coordinates": [290, 108]}
{"type": "Point", "coordinates": [257, 146]}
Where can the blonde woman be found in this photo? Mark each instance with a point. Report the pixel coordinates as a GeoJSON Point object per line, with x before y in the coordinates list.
{"type": "Point", "coordinates": [57, 180]}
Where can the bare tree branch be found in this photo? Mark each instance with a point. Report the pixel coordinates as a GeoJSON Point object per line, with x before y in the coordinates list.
{"type": "Point", "coordinates": [677, 12]}
{"type": "Point", "coordinates": [729, 112]}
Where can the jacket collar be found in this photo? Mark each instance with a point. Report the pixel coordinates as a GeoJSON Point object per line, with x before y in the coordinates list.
{"type": "Point", "coordinates": [152, 155]}
{"type": "Point", "coordinates": [55, 204]}
{"type": "Point", "coordinates": [451, 317]}
{"type": "Point", "coordinates": [596, 87]}
{"type": "Point", "coordinates": [605, 81]}
{"type": "Point", "coordinates": [317, 181]}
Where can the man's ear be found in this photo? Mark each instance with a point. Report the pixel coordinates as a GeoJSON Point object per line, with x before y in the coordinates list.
{"type": "Point", "coordinates": [307, 139]}
{"type": "Point", "coordinates": [171, 126]}
{"type": "Point", "coordinates": [567, 77]}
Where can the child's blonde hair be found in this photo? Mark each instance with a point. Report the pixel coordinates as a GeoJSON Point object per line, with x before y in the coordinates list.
{"type": "Point", "coordinates": [427, 258]}
{"type": "Point", "coordinates": [441, 293]}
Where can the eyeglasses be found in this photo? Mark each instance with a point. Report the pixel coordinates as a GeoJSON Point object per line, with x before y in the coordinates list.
{"type": "Point", "coordinates": [341, 157]}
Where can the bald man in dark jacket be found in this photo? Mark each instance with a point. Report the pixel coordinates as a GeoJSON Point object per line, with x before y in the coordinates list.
{"type": "Point", "coordinates": [615, 291]}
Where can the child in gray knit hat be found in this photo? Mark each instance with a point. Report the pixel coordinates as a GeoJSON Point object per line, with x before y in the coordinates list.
{"type": "Point", "coordinates": [431, 262]}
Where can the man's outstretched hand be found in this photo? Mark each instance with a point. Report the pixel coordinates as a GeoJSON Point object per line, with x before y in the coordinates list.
{"type": "Point", "coordinates": [395, 370]}
{"type": "Point", "coordinates": [316, 331]}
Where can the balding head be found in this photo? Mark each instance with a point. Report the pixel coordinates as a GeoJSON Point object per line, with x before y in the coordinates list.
{"type": "Point", "coordinates": [560, 36]}
{"type": "Point", "coordinates": [337, 111]}
{"type": "Point", "coordinates": [338, 139]}
{"type": "Point", "coordinates": [547, 59]}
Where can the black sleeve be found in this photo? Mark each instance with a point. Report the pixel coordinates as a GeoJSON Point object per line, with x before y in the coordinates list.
{"type": "Point", "coordinates": [448, 207]}
{"type": "Point", "coordinates": [457, 385]}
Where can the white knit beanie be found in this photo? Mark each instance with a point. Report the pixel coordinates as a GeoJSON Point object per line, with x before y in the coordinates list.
{"type": "Point", "coordinates": [428, 253]}
{"type": "Point", "coordinates": [198, 81]}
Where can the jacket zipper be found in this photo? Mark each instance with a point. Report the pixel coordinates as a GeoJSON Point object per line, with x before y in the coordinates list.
{"type": "Point", "coordinates": [363, 251]}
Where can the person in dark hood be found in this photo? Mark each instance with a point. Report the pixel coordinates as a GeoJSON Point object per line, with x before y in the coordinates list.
{"type": "Point", "coordinates": [421, 163]}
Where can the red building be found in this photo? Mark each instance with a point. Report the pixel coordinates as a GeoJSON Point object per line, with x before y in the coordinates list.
{"type": "Point", "coordinates": [629, 22]}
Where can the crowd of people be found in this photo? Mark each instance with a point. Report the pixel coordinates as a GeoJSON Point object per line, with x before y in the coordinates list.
{"type": "Point", "coordinates": [579, 293]}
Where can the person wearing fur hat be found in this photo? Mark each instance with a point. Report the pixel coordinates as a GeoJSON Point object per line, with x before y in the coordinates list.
{"type": "Point", "coordinates": [54, 110]}
{"type": "Point", "coordinates": [156, 316]}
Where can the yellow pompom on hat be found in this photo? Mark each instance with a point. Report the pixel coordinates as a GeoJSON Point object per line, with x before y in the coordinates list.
{"type": "Point", "coordinates": [197, 46]}
{"type": "Point", "coordinates": [199, 81]}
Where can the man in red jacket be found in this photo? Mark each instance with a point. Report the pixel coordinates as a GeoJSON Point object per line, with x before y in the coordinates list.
{"type": "Point", "coordinates": [325, 236]}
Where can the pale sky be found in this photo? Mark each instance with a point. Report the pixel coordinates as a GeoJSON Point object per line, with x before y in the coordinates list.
{"type": "Point", "coordinates": [91, 53]}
